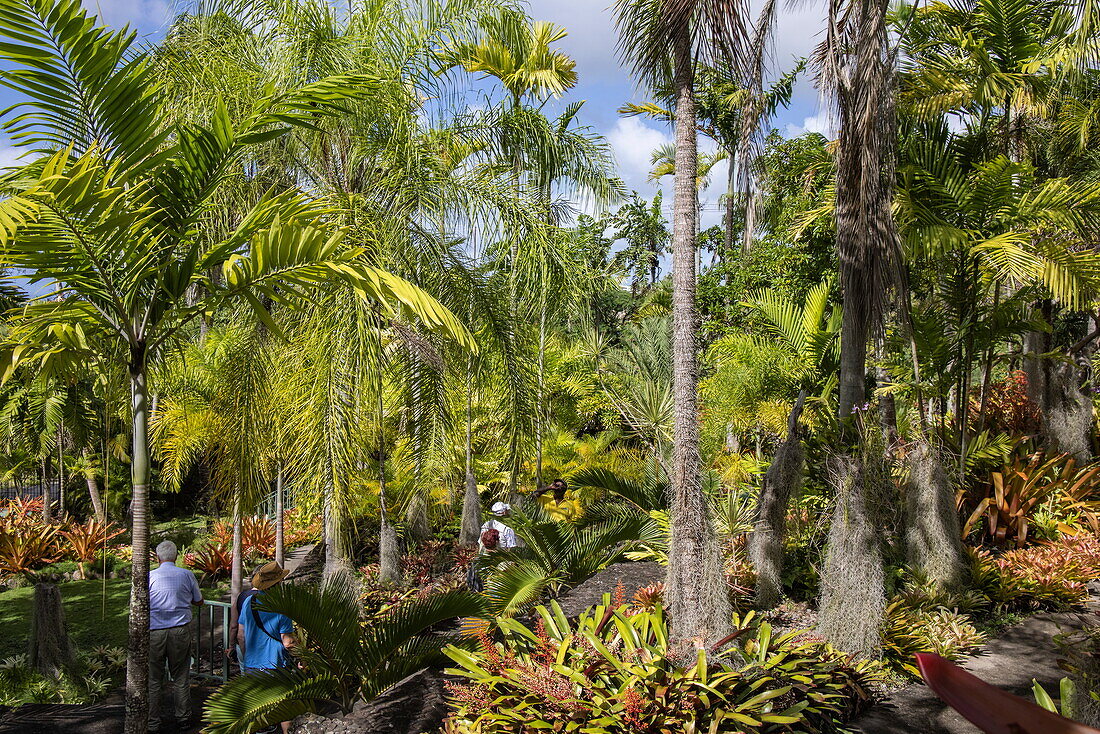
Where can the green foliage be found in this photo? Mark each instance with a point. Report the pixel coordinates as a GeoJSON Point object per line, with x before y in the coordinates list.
{"type": "Point", "coordinates": [342, 658]}
{"type": "Point", "coordinates": [613, 670]}
{"type": "Point", "coordinates": [92, 676]}
{"type": "Point", "coordinates": [1016, 494]}
{"type": "Point", "coordinates": [947, 633]}
{"type": "Point", "coordinates": [556, 554]}
{"type": "Point", "coordinates": [96, 613]}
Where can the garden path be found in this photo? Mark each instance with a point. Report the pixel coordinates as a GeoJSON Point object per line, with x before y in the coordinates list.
{"type": "Point", "coordinates": [1023, 652]}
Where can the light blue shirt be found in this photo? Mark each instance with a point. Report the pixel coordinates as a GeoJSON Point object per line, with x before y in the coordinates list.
{"type": "Point", "coordinates": [172, 591]}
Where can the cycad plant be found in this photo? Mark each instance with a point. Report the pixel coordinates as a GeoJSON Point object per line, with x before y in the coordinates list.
{"type": "Point", "coordinates": [342, 660]}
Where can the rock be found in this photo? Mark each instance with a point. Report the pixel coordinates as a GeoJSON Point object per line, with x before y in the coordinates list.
{"type": "Point", "coordinates": [633, 576]}
{"type": "Point", "coordinates": [416, 705]}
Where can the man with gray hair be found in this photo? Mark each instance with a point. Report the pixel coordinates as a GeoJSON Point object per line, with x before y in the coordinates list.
{"type": "Point", "coordinates": [172, 591]}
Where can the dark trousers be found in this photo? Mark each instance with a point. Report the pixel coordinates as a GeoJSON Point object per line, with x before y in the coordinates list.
{"type": "Point", "coordinates": [170, 652]}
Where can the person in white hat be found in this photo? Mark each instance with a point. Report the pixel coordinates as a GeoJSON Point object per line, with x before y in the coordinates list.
{"type": "Point", "coordinates": [507, 535]}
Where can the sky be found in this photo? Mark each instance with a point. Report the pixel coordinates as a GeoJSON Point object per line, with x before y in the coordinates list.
{"type": "Point", "coordinates": [603, 84]}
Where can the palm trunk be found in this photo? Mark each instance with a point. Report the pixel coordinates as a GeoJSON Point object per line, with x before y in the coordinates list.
{"type": "Point", "coordinates": [471, 503]}
{"type": "Point", "coordinates": [731, 208]}
{"type": "Point", "coordinates": [766, 541]}
{"type": "Point", "coordinates": [60, 472]}
{"type": "Point", "coordinates": [696, 590]}
{"type": "Point", "coordinates": [236, 581]}
{"type": "Point", "coordinates": [280, 554]}
{"type": "Point", "coordinates": [540, 409]}
{"type": "Point", "coordinates": [93, 487]}
{"type": "Point", "coordinates": [47, 498]}
{"type": "Point", "coordinates": [137, 649]}
{"type": "Point", "coordinates": [332, 531]}
{"type": "Point", "coordinates": [865, 229]}
{"type": "Point", "coordinates": [987, 367]}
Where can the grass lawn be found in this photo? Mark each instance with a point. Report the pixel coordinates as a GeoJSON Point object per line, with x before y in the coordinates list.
{"type": "Point", "coordinates": [83, 601]}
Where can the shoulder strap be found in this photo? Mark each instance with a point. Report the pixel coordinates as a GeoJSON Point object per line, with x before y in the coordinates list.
{"type": "Point", "coordinates": [257, 622]}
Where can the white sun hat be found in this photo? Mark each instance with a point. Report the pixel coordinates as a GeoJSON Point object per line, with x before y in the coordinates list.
{"type": "Point", "coordinates": [500, 508]}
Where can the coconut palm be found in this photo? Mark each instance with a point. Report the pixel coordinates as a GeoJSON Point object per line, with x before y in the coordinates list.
{"type": "Point", "coordinates": [113, 212]}
{"type": "Point", "coordinates": [657, 37]}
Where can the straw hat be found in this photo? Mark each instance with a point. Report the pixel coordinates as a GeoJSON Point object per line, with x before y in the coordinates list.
{"type": "Point", "coordinates": [501, 508]}
{"type": "Point", "coordinates": [268, 575]}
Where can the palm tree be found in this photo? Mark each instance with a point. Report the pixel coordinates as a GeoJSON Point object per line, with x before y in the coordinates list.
{"type": "Point", "coordinates": [213, 407]}
{"type": "Point", "coordinates": [518, 53]}
{"type": "Point", "coordinates": [856, 66]}
{"type": "Point", "coordinates": [403, 185]}
{"type": "Point", "coordinates": [112, 212]}
{"type": "Point", "coordinates": [809, 332]}
{"type": "Point", "coordinates": [646, 233]}
{"type": "Point", "coordinates": [655, 36]}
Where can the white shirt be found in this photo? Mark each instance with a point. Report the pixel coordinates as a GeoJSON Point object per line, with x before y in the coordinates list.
{"type": "Point", "coordinates": [507, 535]}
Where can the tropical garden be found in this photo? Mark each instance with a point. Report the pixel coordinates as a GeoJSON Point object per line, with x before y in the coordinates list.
{"type": "Point", "coordinates": [332, 279]}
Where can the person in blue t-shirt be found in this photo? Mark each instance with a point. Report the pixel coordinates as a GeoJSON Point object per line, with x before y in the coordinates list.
{"type": "Point", "coordinates": [265, 638]}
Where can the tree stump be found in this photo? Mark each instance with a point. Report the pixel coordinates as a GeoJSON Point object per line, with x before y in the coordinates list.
{"type": "Point", "coordinates": [50, 652]}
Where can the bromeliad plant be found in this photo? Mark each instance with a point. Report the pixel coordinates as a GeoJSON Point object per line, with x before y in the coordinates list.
{"type": "Point", "coordinates": [613, 671]}
{"type": "Point", "coordinates": [1055, 485]}
{"type": "Point", "coordinates": [23, 549]}
{"type": "Point", "coordinates": [84, 541]}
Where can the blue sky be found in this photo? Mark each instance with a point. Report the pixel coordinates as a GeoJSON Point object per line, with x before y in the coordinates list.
{"type": "Point", "coordinates": [603, 83]}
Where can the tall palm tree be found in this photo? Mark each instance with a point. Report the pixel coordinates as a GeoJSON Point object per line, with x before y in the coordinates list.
{"type": "Point", "coordinates": [113, 213]}
{"type": "Point", "coordinates": [662, 38]}
{"type": "Point", "coordinates": [404, 176]}
{"type": "Point", "coordinates": [213, 407]}
{"type": "Point", "coordinates": [857, 68]}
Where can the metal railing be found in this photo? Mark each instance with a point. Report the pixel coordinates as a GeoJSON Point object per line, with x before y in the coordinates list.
{"type": "Point", "coordinates": [211, 641]}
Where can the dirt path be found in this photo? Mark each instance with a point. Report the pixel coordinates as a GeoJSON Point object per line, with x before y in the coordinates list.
{"type": "Point", "coordinates": [1023, 652]}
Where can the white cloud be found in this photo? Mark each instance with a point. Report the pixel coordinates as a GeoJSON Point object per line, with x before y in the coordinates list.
{"type": "Point", "coordinates": [633, 142]}
{"type": "Point", "coordinates": [591, 40]}
{"type": "Point", "coordinates": [819, 123]}
{"type": "Point", "coordinates": [145, 15]}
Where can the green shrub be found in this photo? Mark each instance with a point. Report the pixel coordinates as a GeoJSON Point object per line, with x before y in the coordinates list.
{"type": "Point", "coordinates": [92, 676]}
{"type": "Point", "coordinates": [613, 671]}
